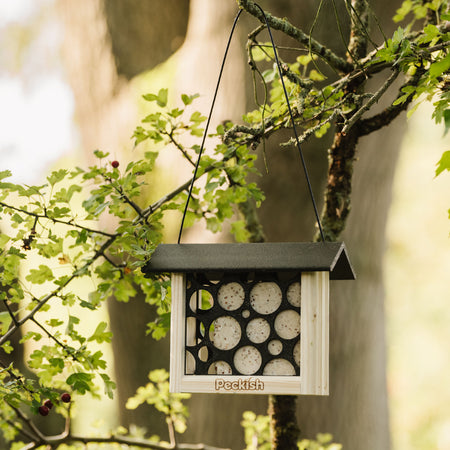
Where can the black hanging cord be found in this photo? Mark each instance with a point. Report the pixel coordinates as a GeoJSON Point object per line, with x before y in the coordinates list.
{"type": "Point", "coordinates": [290, 114]}
{"type": "Point", "coordinates": [293, 124]}
{"type": "Point", "coordinates": [207, 124]}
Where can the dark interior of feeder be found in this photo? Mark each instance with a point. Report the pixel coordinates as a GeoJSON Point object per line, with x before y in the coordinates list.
{"type": "Point", "coordinates": [243, 323]}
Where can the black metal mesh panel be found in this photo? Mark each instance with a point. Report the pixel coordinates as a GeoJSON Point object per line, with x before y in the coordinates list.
{"type": "Point", "coordinates": [243, 324]}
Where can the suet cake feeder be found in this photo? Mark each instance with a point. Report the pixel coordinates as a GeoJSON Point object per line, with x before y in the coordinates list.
{"type": "Point", "coordinates": [250, 318]}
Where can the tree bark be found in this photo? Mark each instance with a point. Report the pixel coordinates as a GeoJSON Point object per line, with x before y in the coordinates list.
{"type": "Point", "coordinates": [285, 431]}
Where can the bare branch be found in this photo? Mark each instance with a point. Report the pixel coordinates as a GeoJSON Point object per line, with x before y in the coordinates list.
{"type": "Point", "coordinates": [374, 99]}
{"type": "Point", "coordinates": [374, 123]}
{"type": "Point", "coordinates": [34, 429]}
{"type": "Point", "coordinates": [113, 439]}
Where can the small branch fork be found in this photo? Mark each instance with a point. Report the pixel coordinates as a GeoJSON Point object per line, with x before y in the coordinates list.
{"type": "Point", "coordinates": [66, 437]}
{"type": "Point", "coordinates": [338, 63]}
{"type": "Point", "coordinates": [115, 439]}
{"type": "Point", "coordinates": [374, 99]}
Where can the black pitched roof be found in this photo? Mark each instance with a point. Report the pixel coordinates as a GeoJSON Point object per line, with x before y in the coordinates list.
{"type": "Point", "coordinates": [285, 256]}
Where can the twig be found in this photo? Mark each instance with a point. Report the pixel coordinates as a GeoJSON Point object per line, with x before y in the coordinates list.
{"type": "Point", "coordinates": [54, 293]}
{"type": "Point", "coordinates": [142, 443]}
{"type": "Point", "coordinates": [370, 102]}
{"type": "Point", "coordinates": [179, 147]}
{"type": "Point", "coordinates": [26, 433]}
{"type": "Point", "coordinates": [52, 337]}
{"type": "Point", "coordinates": [13, 317]}
{"type": "Point", "coordinates": [312, 130]}
{"type": "Point", "coordinates": [70, 223]}
{"type": "Point", "coordinates": [340, 64]}
{"type": "Point", "coordinates": [172, 434]}
{"type": "Point", "coordinates": [124, 196]}
{"type": "Point", "coordinates": [29, 423]}
{"type": "Point", "coordinates": [374, 123]}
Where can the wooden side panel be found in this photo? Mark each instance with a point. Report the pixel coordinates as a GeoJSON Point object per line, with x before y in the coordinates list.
{"type": "Point", "coordinates": [314, 360]}
{"type": "Point", "coordinates": [177, 331]}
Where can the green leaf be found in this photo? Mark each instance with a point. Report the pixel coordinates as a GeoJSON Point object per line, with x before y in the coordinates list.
{"type": "Point", "coordinates": [100, 335]}
{"type": "Point", "coordinates": [41, 275]}
{"type": "Point", "coordinates": [7, 348]}
{"type": "Point", "coordinates": [240, 232]}
{"type": "Point", "coordinates": [197, 117]}
{"type": "Point", "coordinates": [160, 327]}
{"type": "Point", "coordinates": [444, 163]}
{"type": "Point", "coordinates": [57, 363]}
{"type": "Point", "coordinates": [187, 99]}
{"type": "Point", "coordinates": [263, 52]}
{"type": "Point", "coordinates": [80, 382]}
{"type": "Point", "coordinates": [31, 335]}
{"type": "Point", "coordinates": [57, 176]}
{"type": "Point", "coordinates": [65, 195]}
{"type": "Point", "coordinates": [4, 239]}
{"type": "Point", "coordinates": [322, 130]}
{"type": "Point", "coordinates": [161, 98]}
{"type": "Point", "coordinates": [54, 322]}
{"type": "Point", "coordinates": [403, 11]}
{"type": "Point", "coordinates": [124, 290]}
{"type": "Point", "coordinates": [440, 67]}
{"type": "Point", "coordinates": [446, 115]}
{"type": "Point", "coordinates": [100, 155]}
{"type": "Point", "coordinates": [5, 321]}
{"type": "Point", "coordinates": [5, 174]}
{"type": "Point", "coordinates": [95, 361]}
{"type": "Point", "coordinates": [109, 385]}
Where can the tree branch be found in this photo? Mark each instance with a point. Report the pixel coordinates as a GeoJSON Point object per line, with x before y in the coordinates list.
{"type": "Point", "coordinates": [70, 223]}
{"type": "Point", "coordinates": [55, 292]}
{"type": "Point", "coordinates": [338, 63]}
{"type": "Point", "coordinates": [374, 99]}
{"type": "Point", "coordinates": [374, 123]}
{"type": "Point", "coordinates": [10, 312]}
{"type": "Point", "coordinates": [114, 439]}
{"type": "Point", "coordinates": [34, 429]}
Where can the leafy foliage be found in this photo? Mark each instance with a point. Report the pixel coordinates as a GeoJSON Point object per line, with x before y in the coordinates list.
{"type": "Point", "coordinates": [257, 435]}
{"type": "Point", "coordinates": [51, 238]}
{"type": "Point", "coordinates": [157, 393]}
{"type": "Point", "coordinates": [256, 431]}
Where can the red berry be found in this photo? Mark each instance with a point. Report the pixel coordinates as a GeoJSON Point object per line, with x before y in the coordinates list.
{"type": "Point", "coordinates": [48, 404]}
{"type": "Point", "coordinates": [65, 397]}
{"type": "Point", "coordinates": [115, 164]}
{"type": "Point", "coordinates": [43, 410]}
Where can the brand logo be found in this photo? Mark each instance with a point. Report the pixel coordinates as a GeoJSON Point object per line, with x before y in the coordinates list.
{"type": "Point", "coordinates": [241, 384]}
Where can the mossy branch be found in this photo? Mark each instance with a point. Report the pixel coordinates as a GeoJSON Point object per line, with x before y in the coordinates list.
{"type": "Point", "coordinates": [335, 61]}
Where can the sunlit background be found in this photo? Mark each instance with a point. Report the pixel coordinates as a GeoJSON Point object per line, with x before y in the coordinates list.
{"type": "Point", "coordinates": [36, 103]}
{"type": "Point", "coordinates": [37, 129]}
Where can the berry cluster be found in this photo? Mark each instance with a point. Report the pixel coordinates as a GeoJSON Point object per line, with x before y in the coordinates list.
{"type": "Point", "coordinates": [45, 408]}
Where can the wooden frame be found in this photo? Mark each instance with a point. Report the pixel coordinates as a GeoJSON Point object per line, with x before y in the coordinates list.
{"type": "Point", "coordinates": [313, 379]}
{"type": "Point", "coordinates": [313, 263]}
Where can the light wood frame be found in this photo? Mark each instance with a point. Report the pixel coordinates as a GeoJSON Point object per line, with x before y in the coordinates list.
{"type": "Point", "coordinates": [314, 344]}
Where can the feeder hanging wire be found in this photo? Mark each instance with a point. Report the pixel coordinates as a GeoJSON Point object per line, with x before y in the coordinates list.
{"type": "Point", "coordinates": [305, 170]}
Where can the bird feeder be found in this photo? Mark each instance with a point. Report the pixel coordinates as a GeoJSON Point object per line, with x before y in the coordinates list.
{"type": "Point", "coordinates": [250, 318]}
